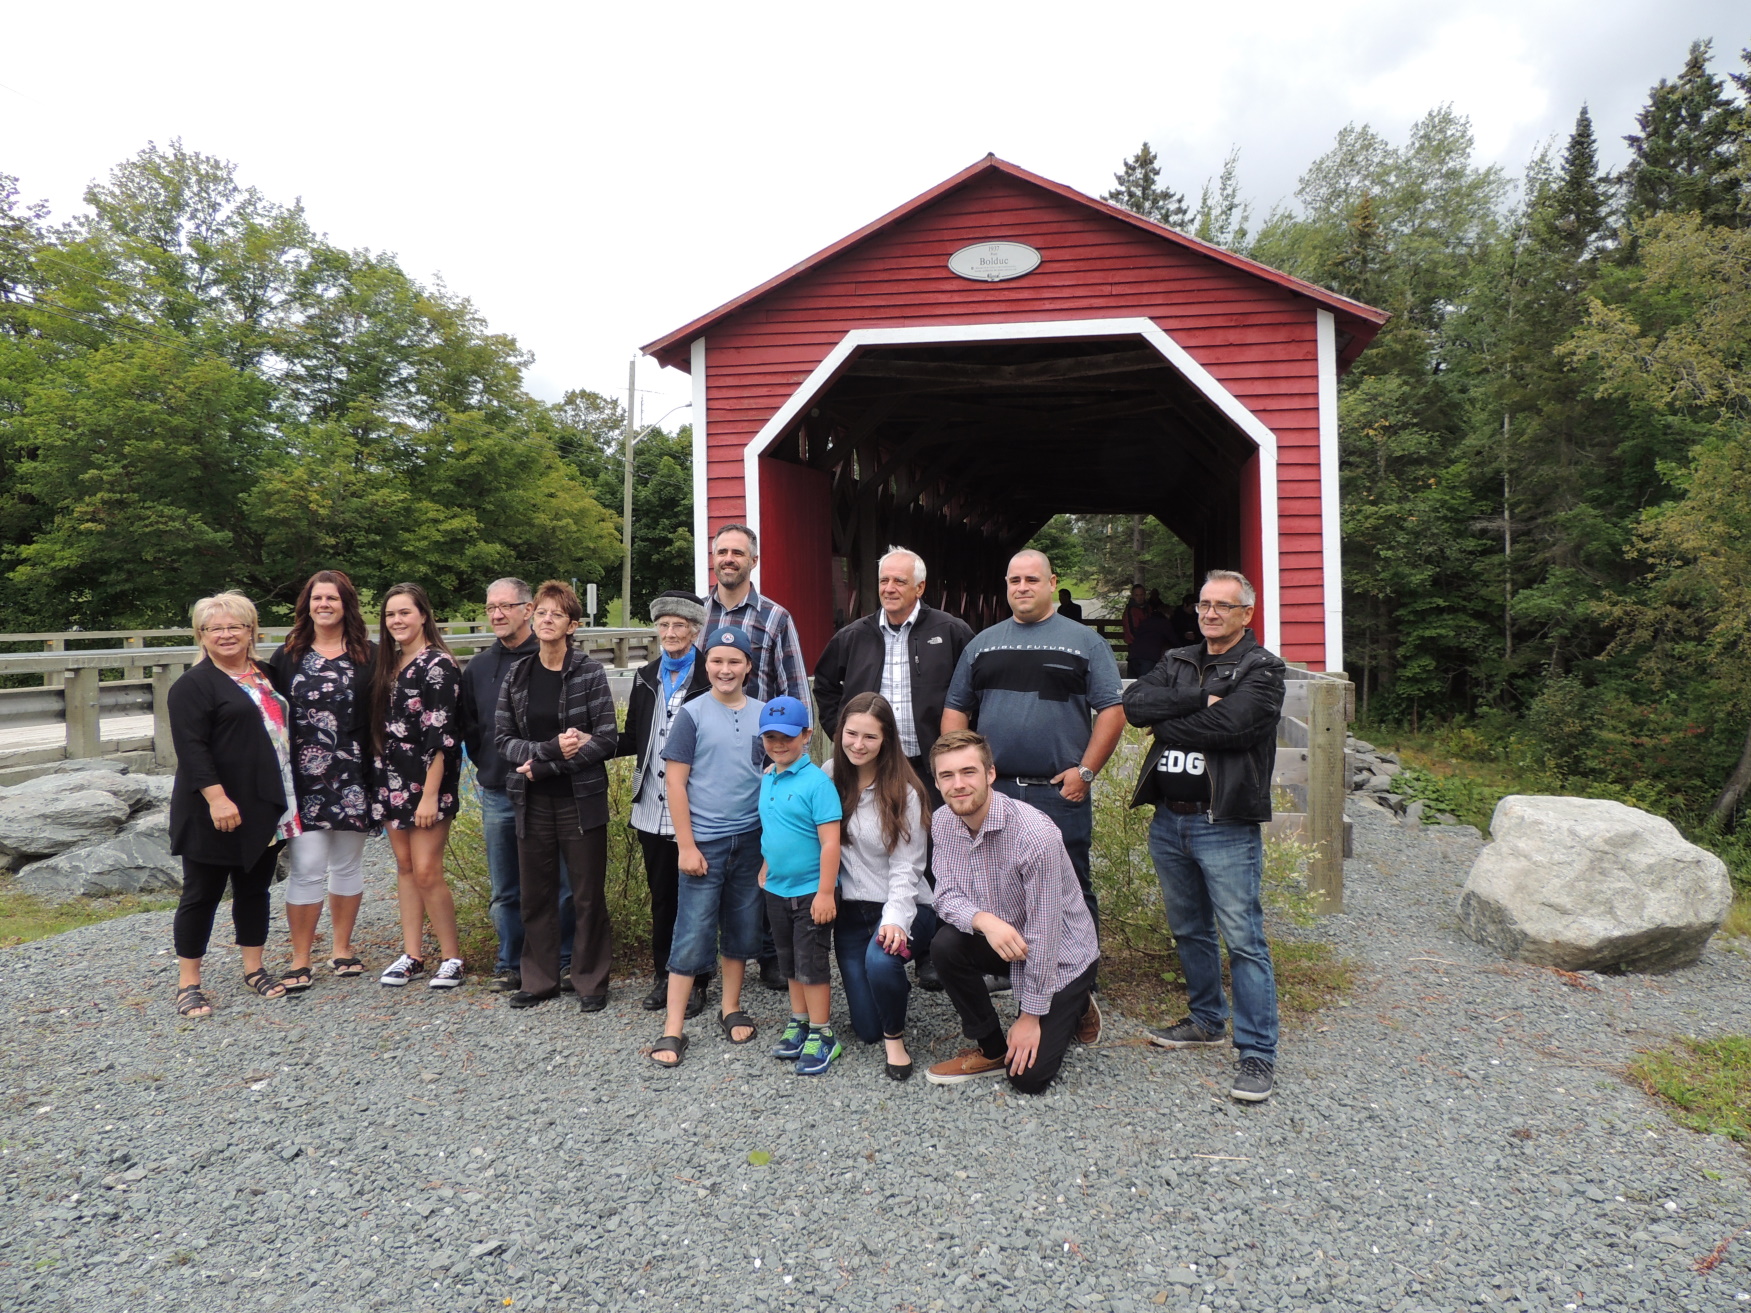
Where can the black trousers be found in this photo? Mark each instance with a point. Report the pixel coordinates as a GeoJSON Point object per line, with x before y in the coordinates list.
{"type": "Point", "coordinates": [963, 961]}
{"type": "Point", "coordinates": [203, 886]}
{"type": "Point", "coordinates": [550, 828]}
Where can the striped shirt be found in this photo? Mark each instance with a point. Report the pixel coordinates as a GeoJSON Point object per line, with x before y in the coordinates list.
{"type": "Point", "coordinates": [896, 684]}
{"type": "Point", "coordinates": [1015, 868]}
{"type": "Point", "coordinates": [778, 652]}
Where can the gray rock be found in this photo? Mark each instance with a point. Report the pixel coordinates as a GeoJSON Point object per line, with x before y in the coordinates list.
{"type": "Point", "coordinates": [154, 823]}
{"type": "Point", "coordinates": [77, 765]}
{"type": "Point", "coordinates": [39, 824]}
{"type": "Point", "coordinates": [1387, 769]}
{"type": "Point", "coordinates": [127, 864]}
{"type": "Point", "coordinates": [158, 788]}
{"type": "Point", "coordinates": [1378, 784]}
{"type": "Point", "coordinates": [1586, 884]}
{"type": "Point", "coordinates": [131, 789]}
{"type": "Point", "coordinates": [1413, 814]}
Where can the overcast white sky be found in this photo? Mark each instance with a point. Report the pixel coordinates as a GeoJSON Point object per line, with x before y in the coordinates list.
{"type": "Point", "coordinates": [594, 176]}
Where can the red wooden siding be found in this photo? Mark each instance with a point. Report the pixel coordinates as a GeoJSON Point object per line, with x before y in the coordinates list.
{"type": "Point", "coordinates": [796, 548]}
{"type": "Point", "coordinates": [1256, 338]}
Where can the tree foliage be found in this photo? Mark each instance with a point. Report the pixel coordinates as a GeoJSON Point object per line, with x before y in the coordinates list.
{"type": "Point", "coordinates": [200, 391]}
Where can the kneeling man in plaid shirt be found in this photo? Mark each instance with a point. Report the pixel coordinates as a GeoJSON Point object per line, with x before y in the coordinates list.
{"type": "Point", "coordinates": [1009, 901]}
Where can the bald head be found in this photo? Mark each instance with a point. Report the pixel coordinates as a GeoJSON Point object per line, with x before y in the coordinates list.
{"type": "Point", "coordinates": [1031, 586]}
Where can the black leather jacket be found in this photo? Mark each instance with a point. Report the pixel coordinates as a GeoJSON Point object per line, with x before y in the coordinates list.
{"type": "Point", "coordinates": [1238, 735]}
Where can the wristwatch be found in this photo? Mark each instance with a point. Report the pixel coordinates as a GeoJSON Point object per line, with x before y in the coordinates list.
{"type": "Point", "coordinates": [1086, 773]}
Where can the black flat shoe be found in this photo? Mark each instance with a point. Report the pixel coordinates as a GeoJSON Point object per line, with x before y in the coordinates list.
{"type": "Point", "coordinates": [658, 998]}
{"type": "Point", "coordinates": [897, 1071]}
{"type": "Point", "coordinates": [695, 1001]}
{"type": "Point", "coordinates": [592, 1002]}
{"type": "Point", "coordinates": [524, 999]}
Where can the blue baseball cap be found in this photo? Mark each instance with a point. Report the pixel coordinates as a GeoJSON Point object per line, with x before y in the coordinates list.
{"type": "Point", "coordinates": [786, 716]}
{"type": "Point", "coordinates": [729, 636]}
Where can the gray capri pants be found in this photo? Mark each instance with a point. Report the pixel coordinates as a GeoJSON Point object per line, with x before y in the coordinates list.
{"type": "Point", "coordinates": [326, 861]}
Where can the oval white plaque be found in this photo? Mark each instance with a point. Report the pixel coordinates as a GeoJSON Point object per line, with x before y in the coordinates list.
{"type": "Point", "coordinates": [992, 262]}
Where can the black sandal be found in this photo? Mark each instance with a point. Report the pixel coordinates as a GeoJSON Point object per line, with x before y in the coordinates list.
{"type": "Point", "coordinates": [347, 967]}
{"type": "Point", "coordinates": [190, 1003]}
{"type": "Point", "coordinates": [297, 980]}
{"type": "Point", "coordinates": [731, 1020]}
{"type": "Point", "coordinates": [264, 984]}
{"type": "Point", "coordinates": [676, 1044]}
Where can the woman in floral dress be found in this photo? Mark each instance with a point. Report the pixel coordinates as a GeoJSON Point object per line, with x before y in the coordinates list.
{"type": "Point", "coordinates": [322, 670]}
{"type": "Point", "coordinates": [418, 765]}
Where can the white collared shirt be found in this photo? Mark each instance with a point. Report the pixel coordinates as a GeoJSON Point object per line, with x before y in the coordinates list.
{"type": "Point", "coordinates": [896, 684]}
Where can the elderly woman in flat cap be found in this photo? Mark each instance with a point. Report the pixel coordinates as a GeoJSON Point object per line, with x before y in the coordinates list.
{"type": "Point", "coordinates": [659, 689]}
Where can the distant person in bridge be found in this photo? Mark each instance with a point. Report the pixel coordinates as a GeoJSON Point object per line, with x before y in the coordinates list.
{"type": "Point", "coordinates": [1154, 637]}
{"type": "Point", "coordinates": [1045, 693]}
{"type": "Point", "coordinates": [1184, 622]}
{"type": "Point", "coordinates": [1067, 606]}
{"type": "Point", "coordinates": [1213, 709]}
{"type": "Point", "coordinates": [777, 652]}
{"type": "Point", "coordinates": [1135, 613]}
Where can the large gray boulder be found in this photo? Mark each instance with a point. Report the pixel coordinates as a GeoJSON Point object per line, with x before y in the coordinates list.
{"type": "Point", "coordinates": [131, 789]}
{"type": "Point", "coordinates": [1589, 885]}
{"type": "Point", "coordinates": [39, 824]}
{"type": "Point", "coordinates": [128, 864]}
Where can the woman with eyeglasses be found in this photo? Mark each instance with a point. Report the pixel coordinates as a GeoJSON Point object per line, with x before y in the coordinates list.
{"type": "Point", "coordinates": [232, 805]}
{"type": "Point", "coordinates": [321, 670]}
{"type": "Point", "coordinates": [415, 687]}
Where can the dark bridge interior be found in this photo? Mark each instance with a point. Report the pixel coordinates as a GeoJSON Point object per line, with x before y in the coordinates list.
{"type": "Point", "coordinates": [962, 452]}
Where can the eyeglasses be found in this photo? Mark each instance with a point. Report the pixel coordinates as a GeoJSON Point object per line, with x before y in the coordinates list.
{"type": "Point", "coordinates": [1215, 608]}
{"type": "Point", "coordinates": [503, 607]}
{"type": "Point", "coordinates": [225, 630]}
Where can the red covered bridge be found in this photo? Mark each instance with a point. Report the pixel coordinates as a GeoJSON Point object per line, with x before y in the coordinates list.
{"type": "Point", "coordinates": [1003, 348]}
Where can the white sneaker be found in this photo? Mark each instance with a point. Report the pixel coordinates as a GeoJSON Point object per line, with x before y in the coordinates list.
{"type": "Point", "coordinates": [447, 976]}
{"type": "Point", "coordinates": [402, 970]}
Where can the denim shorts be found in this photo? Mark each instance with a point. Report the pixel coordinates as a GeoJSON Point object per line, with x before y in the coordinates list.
{"type": "Point", "coordinates": [720, 912]}
{"type": "Point", "coordinates": [803, 947]}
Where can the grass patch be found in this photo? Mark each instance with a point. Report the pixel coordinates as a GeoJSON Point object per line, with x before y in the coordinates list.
{"type": "Point", "coordinates": [24, 916]}
{"type": "Point", "coordinates": [1140, 970]}
{"type": "Point", "coordinates": [629, 901]}
{"type": "Point", "coordinates": [1738, 922]}
{"type": "Point", "coordinates": [1706, 1083]}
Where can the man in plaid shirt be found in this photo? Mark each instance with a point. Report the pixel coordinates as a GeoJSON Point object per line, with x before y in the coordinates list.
{"type": "Point", "coordinates": [778, 652]}
{"type": "Point", "coordinates": [1009, 900]}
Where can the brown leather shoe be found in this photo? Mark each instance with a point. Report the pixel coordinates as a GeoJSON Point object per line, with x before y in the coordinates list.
{"type": "Point", "coordinates": [1088, 1029]}
{"type": "Point", "coordinates": [968, 1064]}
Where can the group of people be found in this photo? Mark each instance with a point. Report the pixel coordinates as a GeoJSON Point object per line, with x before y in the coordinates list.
{"type": "Point", "coordinates": [949, 823]}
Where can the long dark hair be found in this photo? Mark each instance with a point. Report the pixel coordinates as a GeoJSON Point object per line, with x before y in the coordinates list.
{"type": "Point", "coordinates": [352, 619]}
{"type": "Point", "coordinates": [389, 653]}
{"type": "Point", "coordinates": [895, 780]}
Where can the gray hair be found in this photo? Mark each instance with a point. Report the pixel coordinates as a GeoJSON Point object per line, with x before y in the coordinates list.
{"type": "Point", "coordinates": [753, 539]}
{"type": "Point", "coordinates": [520, 590]}
{"type": "Point", "coordinates": [919, 571]}
{"type": "Point", "coordinates": [1247, 596]}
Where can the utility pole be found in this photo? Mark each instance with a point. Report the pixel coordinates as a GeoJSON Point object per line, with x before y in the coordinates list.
{"type": "Point", "coordinates": [626, 499]}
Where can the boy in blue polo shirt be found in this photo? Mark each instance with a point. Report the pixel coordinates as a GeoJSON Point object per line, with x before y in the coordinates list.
{"type": "Point", "coordinates": [800, 814]}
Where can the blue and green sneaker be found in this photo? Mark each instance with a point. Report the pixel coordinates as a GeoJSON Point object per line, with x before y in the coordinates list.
{"type": "Point", "coordinates": [818, 1051]}
{"type": "Point", "coordinates": [790, 1044]}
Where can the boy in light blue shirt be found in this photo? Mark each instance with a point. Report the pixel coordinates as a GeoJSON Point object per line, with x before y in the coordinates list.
{"type": "Point", "coordinates": [800, 816]}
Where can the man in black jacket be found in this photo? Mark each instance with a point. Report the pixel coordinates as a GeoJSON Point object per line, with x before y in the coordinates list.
{"type": "Point", "coordinates": [1213, 708]}
{"type": "Point", "coordinates": [906, 651]}
{"type": "Point", "coordinates": [507, 611]}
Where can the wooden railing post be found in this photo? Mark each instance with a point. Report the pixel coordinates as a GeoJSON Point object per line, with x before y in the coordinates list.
{"type": "Point", "coordinates": [84, 737]}
{"type": "Point", "coordinates": [53, 678]}
{"type": "Point", "coordinates": [1325, 791]}
{"type": "Point", "coordinates": [163, 746]}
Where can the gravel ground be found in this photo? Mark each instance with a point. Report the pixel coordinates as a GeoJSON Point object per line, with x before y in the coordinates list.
{"type": "Point", "coordinates": [1456, 1136]}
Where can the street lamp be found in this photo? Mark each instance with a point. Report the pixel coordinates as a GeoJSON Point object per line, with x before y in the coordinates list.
{"type": "Point", "coordinates": [626, 502]}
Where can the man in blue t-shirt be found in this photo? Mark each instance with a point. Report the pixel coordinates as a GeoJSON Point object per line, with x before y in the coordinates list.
{"type": "Point", "coordinates": [1045, 693]}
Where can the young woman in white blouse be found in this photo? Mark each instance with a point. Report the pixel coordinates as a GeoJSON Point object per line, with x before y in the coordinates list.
{"type": "Point", "coordinates": [884, 900]}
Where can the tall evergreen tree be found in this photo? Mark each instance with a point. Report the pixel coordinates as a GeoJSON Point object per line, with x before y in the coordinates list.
{"type": "Point", "coordinates": [1141, 192]}
{"type": "Point", "coordinates": [1687, 150]}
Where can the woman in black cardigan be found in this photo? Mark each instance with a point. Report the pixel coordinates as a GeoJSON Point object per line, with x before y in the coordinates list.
{"type": "Point", "coordinates": [554, 725]}
{"type": "Point", "coordinates": [232, 804]}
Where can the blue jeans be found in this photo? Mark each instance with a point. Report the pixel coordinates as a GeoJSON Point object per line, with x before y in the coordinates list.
{"type": "Point", "coordinates": [1075, 821]}
{"type": "Point", "coordinates": [498, 826]}
{"type": "Point", "coordinates": [875, 983]}
{"type": "Point", "coordinates": [720, 913]}
{"type": "Point", "coordinates": [1211, 877]}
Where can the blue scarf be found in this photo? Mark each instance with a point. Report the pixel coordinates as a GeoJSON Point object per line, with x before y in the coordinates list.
{"type": "Point", "coordinates": [675, 673]}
